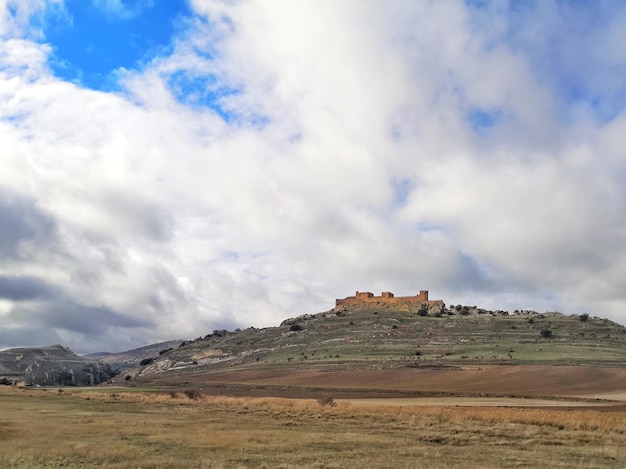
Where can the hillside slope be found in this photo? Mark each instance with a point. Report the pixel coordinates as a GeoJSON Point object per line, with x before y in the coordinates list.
{"type": "Point", "coordinates": [392, 337]}
{"type": "Point", "coordinates": [130, 358]}
{"type": "Point", "coordinates": [54, 365]}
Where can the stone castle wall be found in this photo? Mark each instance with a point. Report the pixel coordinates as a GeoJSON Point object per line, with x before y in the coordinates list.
{"type": "Point", "coordinates": [386, 297]}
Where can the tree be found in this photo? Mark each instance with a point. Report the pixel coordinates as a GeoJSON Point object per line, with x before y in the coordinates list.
{"type": "Point", "coordinates": [584, 317]}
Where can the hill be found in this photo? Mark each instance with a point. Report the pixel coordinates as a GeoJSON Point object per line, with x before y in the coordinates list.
{"type": "Point", "coordinates": [367, 339]}
{"type": "Point", "coordinates": [130, 358]}
{"type": "Point", "coordinates": [54, 365]}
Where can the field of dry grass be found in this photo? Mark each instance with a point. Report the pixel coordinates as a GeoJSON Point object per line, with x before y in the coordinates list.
{"type": "Point", "coordinates": [115, 429]}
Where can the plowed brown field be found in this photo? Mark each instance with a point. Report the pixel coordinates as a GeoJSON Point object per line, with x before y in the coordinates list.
{"type": "Point", "coordinates": [511, 381]}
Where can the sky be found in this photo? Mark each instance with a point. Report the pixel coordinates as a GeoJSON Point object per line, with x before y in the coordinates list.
{"type": "Point", "coordinates": [172, 167]}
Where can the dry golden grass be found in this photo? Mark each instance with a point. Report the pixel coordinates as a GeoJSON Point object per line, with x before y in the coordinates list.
{"type": "Point", "coordinates": [122, 430]}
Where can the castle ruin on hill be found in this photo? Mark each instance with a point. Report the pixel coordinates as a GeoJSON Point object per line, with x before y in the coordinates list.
{"type": "Point", "coordinates": [387, 298]}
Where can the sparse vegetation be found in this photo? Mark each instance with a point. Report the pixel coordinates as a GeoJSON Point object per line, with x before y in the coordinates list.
{"type": "Point", "coordinates": [387, 338]}
{"type": "Point", "coordinates": [153, 430]}
{"type": "Point", "coordinates": [193, 394]}
{"type": "Point", "coordinates": [326, 400]}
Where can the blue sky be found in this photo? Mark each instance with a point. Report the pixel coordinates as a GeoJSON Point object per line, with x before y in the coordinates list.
{"type": "Point", "coordinates": [93, 40]}
{"type": "Point", "coordinates": [171, 167]}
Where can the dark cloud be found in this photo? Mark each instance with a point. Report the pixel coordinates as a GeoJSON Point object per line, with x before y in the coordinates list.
{"type": "Point", "coordinates": [68, 315]}
{"type": "Point", "coordinates": [28, 337]}
{"type": "Point", "coordinates": [25, 288]}
{"type": "Point", "coordinates": [21, 220]}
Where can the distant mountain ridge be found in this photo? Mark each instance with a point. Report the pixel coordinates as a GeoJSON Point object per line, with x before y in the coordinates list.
{"type": "Point", "coordinates": [57, 365]}
{"type": "Point", "coordinates": [51, 366]}
{"type": "Point", "coordinates": [130, 358]}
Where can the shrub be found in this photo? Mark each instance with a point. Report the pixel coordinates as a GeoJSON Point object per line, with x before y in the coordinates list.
{"type": "Point", "coordinates": [326, 400]}
{"type": "Point", "coordinates": [584, 317]}
{"type": "Point", "coordinates": [295, 327]}
{"type": "Point", "coordinates": [146, 361]}
{"type": "Point", "coordinates": [193, 394]}
{"type": "Point", "coordinates": [128, 377]}
{"type": "Point", "coordinates": [546, 333]}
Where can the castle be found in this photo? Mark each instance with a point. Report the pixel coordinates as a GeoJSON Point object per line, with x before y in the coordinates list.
{"type": "Point", "coordinates": [386, 297]}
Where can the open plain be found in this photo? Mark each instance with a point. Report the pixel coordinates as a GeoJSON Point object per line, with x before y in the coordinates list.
{"type": "Point", "coordinates": [124, 428]}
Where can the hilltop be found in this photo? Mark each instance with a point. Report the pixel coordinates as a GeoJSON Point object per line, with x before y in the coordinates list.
{"type": "Point", "coordinates": [57, 365]}
{"type": "Point", "coordinates": [54, 365]}
{"type": "Point", "coordinates": [375, 337]}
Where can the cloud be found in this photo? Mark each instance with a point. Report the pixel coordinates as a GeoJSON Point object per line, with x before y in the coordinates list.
{"type": "Point", "coordinates": [25, 17]}
{"type": "Point", "coordinates": [42, 313]}
{"type": "Point", "coordinates": [280, 155]}
{"type": "Point", "coordinates": [23, 226]}
{"type": "Point", "coordinates": [23, 288]}
{"type": "Point", "coordinates": [122, 9]}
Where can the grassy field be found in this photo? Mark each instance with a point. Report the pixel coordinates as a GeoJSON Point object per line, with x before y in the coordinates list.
{"type": "Point", "coordinates": [73, 428]}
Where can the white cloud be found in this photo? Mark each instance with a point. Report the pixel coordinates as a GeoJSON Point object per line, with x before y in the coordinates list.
{"type": "Point", "coordinates": [348, 161]}
{"type": "Point", "coordinates": [24, 17]}
{"type": "Point", "coordinates": [122, 9]}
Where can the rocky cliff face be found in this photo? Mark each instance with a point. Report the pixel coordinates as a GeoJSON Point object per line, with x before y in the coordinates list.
{"type": "Point", "coordinates": [51, 366]}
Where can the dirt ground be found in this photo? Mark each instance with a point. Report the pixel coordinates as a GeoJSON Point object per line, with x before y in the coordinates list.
{"type": "Point", "coordinates": [563, 383]}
